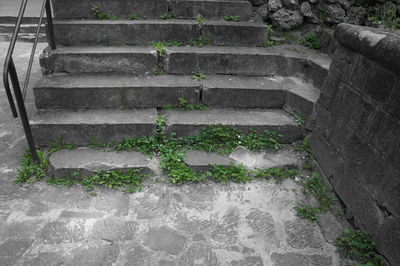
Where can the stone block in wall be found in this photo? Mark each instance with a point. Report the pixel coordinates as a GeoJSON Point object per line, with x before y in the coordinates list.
{"type": "Point", "coordinates": [365, 211]}
{"type": "Point", "coordinates": [389, 240]}
{"type": "Point", "coordinates": [393, 106]}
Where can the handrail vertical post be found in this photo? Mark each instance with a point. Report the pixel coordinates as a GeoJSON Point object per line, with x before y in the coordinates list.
{"type": "Point", "coordinates": [22, 112]}
{"type": "Point", "coordinates": [50, 26]}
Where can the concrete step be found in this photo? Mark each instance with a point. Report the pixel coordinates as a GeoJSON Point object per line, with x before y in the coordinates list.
{"type": "Point", "coordinates": [285, 60]}
{"type": "Point", "coordinates": [88, 161]}
{"type": "Point", "coordinates": [64, 91]}
{"type": "Point", "coordinates": [250, 61]}
{"type": "Point", "coordinates": [94, 91]}
{"type": "Point", "coordinates": [106, 126]}
{"type": "Point", "coordinates": [189, 123]}
{"type": "Point", "coordinates": [153, 9]}
{"type": "Point", "coordinates": [25, 28]}
{"type": "Point", "coordinates": [211, 9]}
{"type": "Point", "coordinates": [143, 32]}
{"type": "Point", "coordinates": [82, 126]}
{"type": "Point", "coordinates": [117, 59]}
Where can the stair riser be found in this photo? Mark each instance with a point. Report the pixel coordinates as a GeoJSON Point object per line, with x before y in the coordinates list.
{"type": "Point", "coordinates": [82, 134]}
{"type": "Point", "coordinates": [211, 9]}
{"type": "Point", "coordinates": [134, 63]}
{"type": "Point", "coordinates": [243, 98]}
{"type": "Point", "coordinates": [176, 63]}
{"type": "Point", "coordinates": [81, 9]}
{"type": "Point", "coordinates": [92, 98]}
{"type": "Point", "coordinates": [289, 133]}
{"type": "Point", "coordinates": [239, 64]}
{"type": "Point", "coordinates": [151, 9]}
{"type": "Point", "coordinates": [121, 34]}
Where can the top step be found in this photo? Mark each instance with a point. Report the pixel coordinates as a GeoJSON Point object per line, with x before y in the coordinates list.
{"type": "Point", "coordinates": [153, 9]}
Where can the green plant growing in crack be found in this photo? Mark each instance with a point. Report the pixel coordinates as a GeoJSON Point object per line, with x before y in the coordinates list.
{"type": "Point", "coordinates": [315, 187]}
{"type": "Point", "coordinates": [133, 16]}
{"type": "Point", "coordinates": [29, 171]}
{"type": "Point", "coordinates": [159, 69]}
{"type": "Point", "coordinates": [102, 15]}
{"type": "Point", "coordinates": [385, 17]}
{"type": "Point", "coordinates": [167, 15]}
{"type": "Point", "coordinates": [129, 181]}
{"type": "Point", "coordinates": [299, 119]}
{"type": "Point", "coordinates": [199, 18]}
{"type": "Point", "coordinates": [278, 174]}
{"type": "Point", "coordinates": [270, 41]}
{"type": "Point", "coordinates": [200, 76]}
{"type": "Point", "coordinates": [232, 18]}
{"type": "Point", "coordinates": [160, 48]}
{"type": "Point", "coordinates": [311, 41]}
{"type": "Point", "coordinates": [200, 41]}
{"type": "Point", "coordinates": [184, 105]}
{"type": "Point", "coordinates": [357, 244]}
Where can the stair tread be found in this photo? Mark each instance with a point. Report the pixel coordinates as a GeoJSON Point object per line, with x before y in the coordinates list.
{"type": "Point", "coordinates": [231, 117]}
{"type": "Point", "coordinates": [157, 21]}
{"type": "Point", "coordinates": [94, 117]}
{"type": "Point", "coordinates": [114, 81]}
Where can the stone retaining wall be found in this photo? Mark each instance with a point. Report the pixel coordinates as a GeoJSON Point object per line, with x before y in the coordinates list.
{"type": "Point", "coordinates": [291, 14]}
{"type": "Point", "coordinates": [356, 131]}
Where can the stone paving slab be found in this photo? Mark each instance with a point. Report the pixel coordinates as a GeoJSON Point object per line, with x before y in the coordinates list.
{"type": "Point", "coordinates": [88, 161]}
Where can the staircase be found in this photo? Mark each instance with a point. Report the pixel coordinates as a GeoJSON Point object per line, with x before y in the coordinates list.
{"type": "Point", "coordinates": [100, 84]}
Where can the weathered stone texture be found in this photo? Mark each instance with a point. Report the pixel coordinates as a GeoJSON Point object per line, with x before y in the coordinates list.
{"type": "Point", "coordinates": [356, 135]}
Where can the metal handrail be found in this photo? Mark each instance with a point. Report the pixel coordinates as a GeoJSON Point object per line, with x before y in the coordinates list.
{"type": "Point", "coordinates": [11, 73]}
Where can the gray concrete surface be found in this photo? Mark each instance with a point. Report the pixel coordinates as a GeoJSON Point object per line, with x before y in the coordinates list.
{"type": "Point", "coordinates": [198, 224]}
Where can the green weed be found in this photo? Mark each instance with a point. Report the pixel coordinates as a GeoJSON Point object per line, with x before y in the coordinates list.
{"type": "Point", "coordinates": [133, 17]}
{"type": "Point", "coordinates": [200, 41]}
{"type": "Point", "coordinates": [232, 18]}
{"type": "Point", "coordinates": [30, 171]}
{"type": "Point", "coordinates": [359, 245]}
{"type": "Point", "coordinates": [183, 105]}
{"type": "Point", "coordinates": [199, 18]}
{"type": "Point", "coordinates": [299, 119]}
{"type": "Point", "coordinates": [311, 41]}
{"type": "Point", "coordinates": [278, 174]}
{"type": "Point", "coordinates": [167, 15]}
{"type": "Point", "coordinates": [200, 76]}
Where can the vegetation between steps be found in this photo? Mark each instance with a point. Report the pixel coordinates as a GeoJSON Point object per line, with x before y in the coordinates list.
{"type": "Point", "coordinates": [184, 105]}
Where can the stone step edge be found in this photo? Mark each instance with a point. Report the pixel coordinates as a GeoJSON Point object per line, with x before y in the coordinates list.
{"type": "Point", "coordinates": [88, 161]}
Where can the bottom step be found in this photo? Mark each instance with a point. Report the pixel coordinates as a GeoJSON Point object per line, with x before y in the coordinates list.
{"type": "Point", "coordinates": [82, 126]}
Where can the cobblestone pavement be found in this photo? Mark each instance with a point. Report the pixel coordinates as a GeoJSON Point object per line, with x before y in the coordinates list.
{"type": "Point", "coordinates": [203, 224]}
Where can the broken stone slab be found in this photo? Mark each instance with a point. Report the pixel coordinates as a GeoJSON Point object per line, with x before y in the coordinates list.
{"type": "Point", "coordinates": [270, 158]}
{"type": "Point", "coordinates": [201, 160]}
{"type": "Point", "coordinates": [88, 161]}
